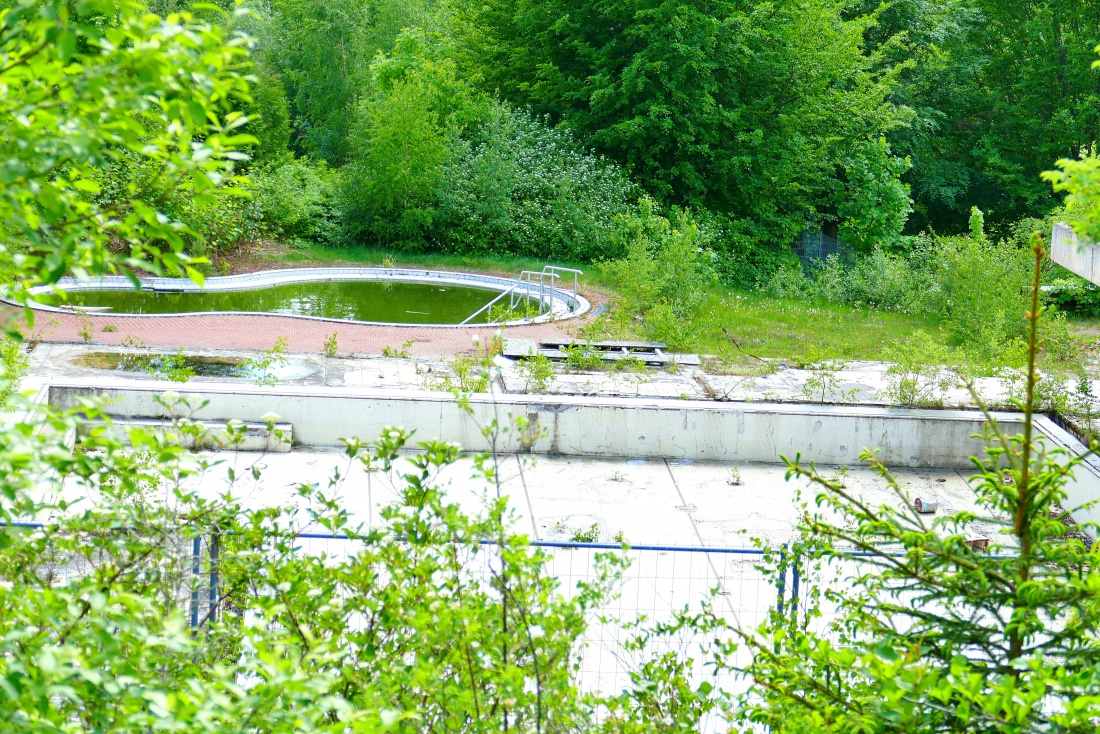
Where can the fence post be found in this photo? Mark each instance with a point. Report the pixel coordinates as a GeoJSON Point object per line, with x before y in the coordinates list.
{"type": "Point", "coordinates": [214, 544]}
{"type": "Point", "coordinates": [196, 569]}
{"type": "Point", "coordinates": [782, 579]}
{"type": "Point", "coordinates": [796, 575]}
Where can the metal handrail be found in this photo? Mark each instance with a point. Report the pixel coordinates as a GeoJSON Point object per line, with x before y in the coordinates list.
{"type": "Point", "coordinates": [527, 277]}
{"type": "Point", "coordinates": [490, 303]}
{"type": "Point", "coordinates": [527, 280]}
{"type": "Point", "coordinates": [576, 275]}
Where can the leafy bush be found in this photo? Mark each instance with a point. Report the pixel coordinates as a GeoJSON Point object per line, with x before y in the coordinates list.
{"type": "Point", "coordinates": [297, 199]}
{"type": "Point", "coordinates": [666, 270]}
{"type": "Point", "coordinates": [415, 112]}
{"type": "Point", "coordinates": [983, 289]}
{"type": "Point", "coordinates": [207, 224]}
{"type": "Point", "coordinates": [529, 189]}
{"type": "Point", "coordinates": [1073, 294]}
{"type": "Point", "coordinates": [880, 279]}
{"type": "Point", "coordinates": [13, 363]}
{"type": "Point", "coordinates": [977, 286]}
{"type": "Point", "coordinates": [918, 377]}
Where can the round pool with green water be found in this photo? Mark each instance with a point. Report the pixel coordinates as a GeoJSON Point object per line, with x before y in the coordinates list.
{"type": "Point", "coordinates": [351, 300]}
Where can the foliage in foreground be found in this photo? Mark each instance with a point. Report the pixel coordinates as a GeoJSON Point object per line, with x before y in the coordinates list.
{"type": "Point", "coordinates": [94, 85]}
{"type": "Point", "coordinates": [933, 634]}
{"type": "Point", "coordinates": [415, 614]}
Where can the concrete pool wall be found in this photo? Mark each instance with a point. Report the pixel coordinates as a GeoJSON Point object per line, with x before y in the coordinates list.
{"type": "Point", "coordinates": [607, 427]}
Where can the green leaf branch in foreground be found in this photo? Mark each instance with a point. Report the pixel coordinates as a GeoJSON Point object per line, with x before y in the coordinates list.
{"type": "Point", "coordinates": [82, 84]}
{"type": "Point", "coordinates": [932, 633]}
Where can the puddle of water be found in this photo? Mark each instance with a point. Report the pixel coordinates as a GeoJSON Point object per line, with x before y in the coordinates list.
{"type": "Point", "coordinates": [165, 366]}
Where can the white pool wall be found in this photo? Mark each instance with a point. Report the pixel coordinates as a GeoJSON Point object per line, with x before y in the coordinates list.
{"type": "Point", "coordinates": [609, 427]}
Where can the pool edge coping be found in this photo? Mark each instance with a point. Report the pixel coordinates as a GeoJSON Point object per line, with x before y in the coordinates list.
{"type": "Point", "coordinates": [282, 276]}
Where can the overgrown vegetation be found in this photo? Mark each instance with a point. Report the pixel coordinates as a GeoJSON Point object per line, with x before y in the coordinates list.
{"type": "Point", "coordinates": [932, 632]}
{"type": "Point", "coordinates": [124, 147]}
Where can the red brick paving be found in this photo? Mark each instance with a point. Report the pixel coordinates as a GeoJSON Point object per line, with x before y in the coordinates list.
{"type": "Point", "coordinates": [259, 331]}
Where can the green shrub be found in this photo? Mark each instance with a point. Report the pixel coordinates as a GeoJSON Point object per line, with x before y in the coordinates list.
{"type": "Point", "coordinates": [983, 290]}
{"type": "Point", "coordinates": [297, 198]}
{"type": "Point", "coordinates": [664, 275]}
{"type": "Point", "coordinates": [918, 377]}
{"type": "Point", "coordinates": [411, 122]}
{"type": "Point", "coordinates": [1072, 293]}
{"type": "Point", "coordinates": [229, 217]}
{"type": "Point", "coordinates": [977, 286]}
{"type": "Point", "coordinates": [539, 371]}
{"type": "Point", "coordinates": [13, 363]}
{"type": "Point", "coordinates": [530, 189]}
{"type": "Point", "coordinates": [582, 358]}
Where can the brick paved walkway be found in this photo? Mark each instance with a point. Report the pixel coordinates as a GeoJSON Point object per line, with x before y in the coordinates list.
{"type": "Point", "coordinates": [260, 331]}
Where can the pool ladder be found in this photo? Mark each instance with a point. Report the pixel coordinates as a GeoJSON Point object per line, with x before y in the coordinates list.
{"type": "Point", "coordinates": [539, 284]}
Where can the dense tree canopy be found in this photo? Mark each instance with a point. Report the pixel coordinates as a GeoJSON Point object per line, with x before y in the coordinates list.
{"type": "Point", "coordinates": [1000, 89]}
{"type": "Point", "coordinates": [768, 112]}
{"type": "Point", "coordinates": [525, 127]}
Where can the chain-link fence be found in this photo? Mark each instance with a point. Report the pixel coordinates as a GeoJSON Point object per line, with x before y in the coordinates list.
{"type": "Point", "coordinates": [812, 248]}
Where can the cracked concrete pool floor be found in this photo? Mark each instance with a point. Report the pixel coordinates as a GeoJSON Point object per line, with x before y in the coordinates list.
{"type": "Point", "coordinates": [652, 502]}
{"type": "Point", "coordinates": [556, 498]}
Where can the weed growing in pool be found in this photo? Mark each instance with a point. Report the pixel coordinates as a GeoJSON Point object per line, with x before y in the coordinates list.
{"type": "Point", "coordinates": [109, 328]}
{"type": "Point", "coordinates": [734, 479]}
{"type": "Point", "coordinates": [87, 330]}
{"type": "Point", "coordinates": [539, 371]}
{"type": "Point", "coordinates": [591, 534]}
{"type": "Point", "coordinates": [274, 357]}
{"type": "Point", "coordinates": [918, 379]}
{"type": "Point", "coordinates": [171, 367]}
{"type": "Point", "coordinates": [468, 374]}
{"type": "Point", "coordinates": [582, 358]}
{"type": "Point", "coordinates": [133, 341]}
{"type": "Point", "coordinates": [823, 382]}
{"type": "Point", "coordinates": [395, 353]}
{"type": "Point", "coordinates": [332, 345]}
{"type": "Point", "coordinates": [1051, 393]}
{"type": "Point", "coordinates": [632, 364]}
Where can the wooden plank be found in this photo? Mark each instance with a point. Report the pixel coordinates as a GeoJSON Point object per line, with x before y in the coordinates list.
{"type": "Point", "coordinates": [638, 346]}
{"type": "Point", "coordinates": [655, 360]}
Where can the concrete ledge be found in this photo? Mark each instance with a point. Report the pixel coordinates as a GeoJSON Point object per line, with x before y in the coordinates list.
{"type": "Point", "coordinates": [579, 426]}
{"type": "Point", "coordinates": [211, 434]}
{"type": "Point", "coordinates": [607, 427]}
{"type": "Point", "coordinates": [1082, 258]}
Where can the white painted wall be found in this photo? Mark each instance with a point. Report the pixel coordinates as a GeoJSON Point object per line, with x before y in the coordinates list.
{"type": "Point", "coordinates": [612, 427]}
{"type": "Point", "coordinates": [1082, 258]}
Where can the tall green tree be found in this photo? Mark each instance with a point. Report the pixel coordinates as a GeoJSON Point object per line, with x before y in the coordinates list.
{"type": "Point", "coordinates": [322, 52]}
{"type": "Point", "coordinates": [1000, 88]}
{"type": "Point", "coordinates": [404, 132]}
{"type": "Point", "coordinates": [772, 113]}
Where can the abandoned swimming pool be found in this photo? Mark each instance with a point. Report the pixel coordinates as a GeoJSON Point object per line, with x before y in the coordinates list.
{"type": "Point", "coordinates": [366, 295]}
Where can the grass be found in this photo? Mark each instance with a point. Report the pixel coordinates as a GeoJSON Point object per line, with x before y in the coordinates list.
{"type": "Point", "coordinates": [779, 328]}
{"type": "Point", "coordinates": [763, 326]}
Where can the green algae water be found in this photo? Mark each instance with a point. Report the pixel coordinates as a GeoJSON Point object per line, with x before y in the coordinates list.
{"type": "Point", "coordinates": [352, 300]}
